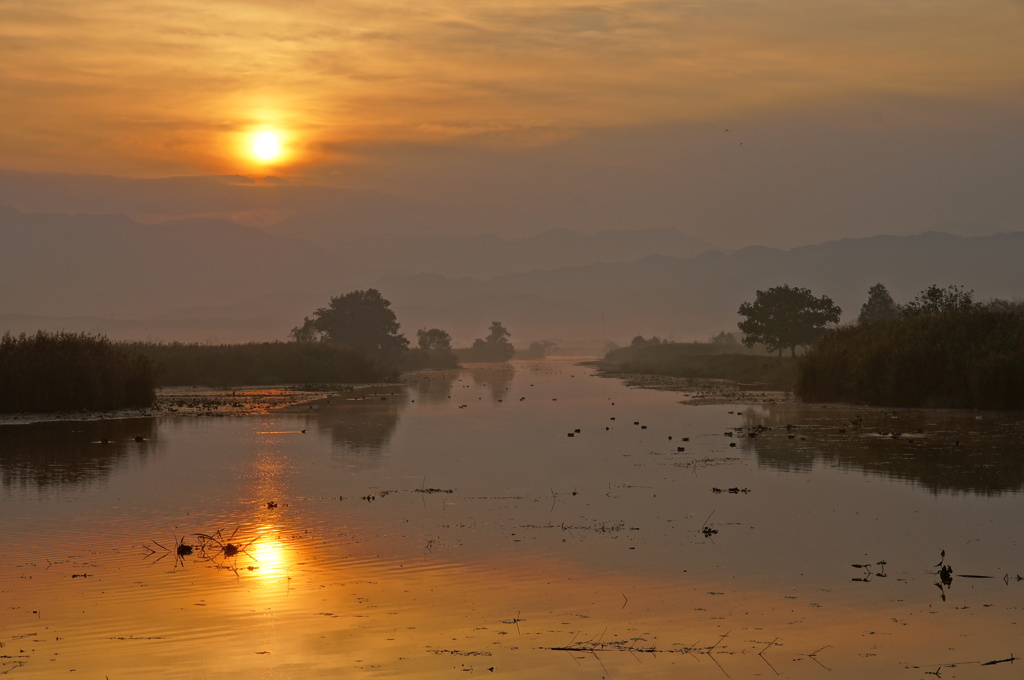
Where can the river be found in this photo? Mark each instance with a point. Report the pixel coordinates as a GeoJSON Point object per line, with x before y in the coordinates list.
{"type": "Point", "coordinates": [526, 521]}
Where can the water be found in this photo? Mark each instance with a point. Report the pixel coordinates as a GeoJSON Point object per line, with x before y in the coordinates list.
{"type": "Point", "coordinates": [453, 527]}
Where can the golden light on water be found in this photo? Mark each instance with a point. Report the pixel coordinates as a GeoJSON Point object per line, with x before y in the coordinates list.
{"type": "Point", "coordinates": [271, 556]}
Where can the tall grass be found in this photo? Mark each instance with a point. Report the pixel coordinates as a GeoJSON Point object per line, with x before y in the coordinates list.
{"type": "Point", "coordinates": [972, 359]}
{"type": "Point", "coordinates": [703, 361]}
{"type": "Point", "coordinates": [259, 363]}
{"type": "Point", "coordinates": [57, 372]}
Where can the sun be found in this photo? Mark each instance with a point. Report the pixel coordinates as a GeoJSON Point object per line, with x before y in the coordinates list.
{"type": "Point", "coordinates": [266, 146]}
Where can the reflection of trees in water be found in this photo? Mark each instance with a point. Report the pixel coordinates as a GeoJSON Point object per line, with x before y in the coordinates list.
{"type": "Point", "coordinates": [496, 377]}
{"type": "Point", "coordinates": [428, 385]}
{"type": "Point", "coordinates": [362, 427]}
{"type": "Point", "coordinates": [68, 452]}
{"type": "Point", "coordinates": [943, 451]}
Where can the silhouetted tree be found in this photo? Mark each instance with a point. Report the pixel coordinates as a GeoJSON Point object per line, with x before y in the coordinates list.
{"type": "Point", "coordinates": [786, 317]}
{"type": "Point", "coordinates": [537, 350]}
{"type": "Point", "coordinates": [496, 347]}
{"type": "Point", "coordinates": [361, 319]}
{"type": "Point", "coordinates": [1014, 306]}
{"type": "Point", "coordinates": [435, 338]}
{"type": "Point", "coordinates": [639, 341]}
{"type": "Point", "coordinates": [879, 307]}
{"type": "Point", "coordinates": [434, 350]}
{"type": "Point", "coordinates": [725, 338]}
{"type": "Point", "coordinates": [934, 300]}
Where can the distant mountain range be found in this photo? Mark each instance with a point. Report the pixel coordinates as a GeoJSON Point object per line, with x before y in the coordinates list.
{"type": "Point", "coordinates": [214, 280]}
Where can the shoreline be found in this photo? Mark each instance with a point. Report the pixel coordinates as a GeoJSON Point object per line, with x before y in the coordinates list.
{"type": "Point", "coordinates": [206, 402]}
{"type": "Point", "coordinates": [705, 391]}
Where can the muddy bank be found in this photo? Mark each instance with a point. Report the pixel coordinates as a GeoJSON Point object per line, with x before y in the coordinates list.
{"type": "Point", "coordinates": [210, 402]}
{"type": "Point", "coordinates": [702, 391]}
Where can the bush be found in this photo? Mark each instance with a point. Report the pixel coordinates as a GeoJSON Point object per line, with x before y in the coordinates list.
{"type": "Point", "coordinates": [55, 372]}
{"type": "Point", "coordinates": [970, 359]}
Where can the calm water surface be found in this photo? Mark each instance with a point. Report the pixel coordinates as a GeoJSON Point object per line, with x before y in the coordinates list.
{"type": "Point", "coordinates": [454, 527]}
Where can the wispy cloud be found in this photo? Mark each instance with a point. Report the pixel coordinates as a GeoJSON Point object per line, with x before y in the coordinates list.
{"type": "Point", "coordinates": [151, 87]}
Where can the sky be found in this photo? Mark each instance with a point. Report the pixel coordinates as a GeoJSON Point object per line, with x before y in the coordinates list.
{"type": "Point", "coordinates": [777, 122]}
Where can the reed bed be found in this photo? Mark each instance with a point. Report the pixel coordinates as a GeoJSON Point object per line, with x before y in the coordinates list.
{"type": "Point", "coordinates": [259, 363]}
{"type": "Point", "coordinates": [64, 372]}
{"type": "Point", "coordinates": [972, 359]}
{"type": "Point", "coordinates": [702, 361]}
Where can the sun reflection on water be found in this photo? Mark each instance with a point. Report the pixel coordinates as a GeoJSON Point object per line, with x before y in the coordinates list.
{"type": "Point", "coordinates": [271, 556]}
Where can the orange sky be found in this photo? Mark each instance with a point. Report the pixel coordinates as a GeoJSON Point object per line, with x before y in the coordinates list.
{"type": "Point", "coordinates": [737, 121]}
{"type": "Point", "coordinates": [173, 87]}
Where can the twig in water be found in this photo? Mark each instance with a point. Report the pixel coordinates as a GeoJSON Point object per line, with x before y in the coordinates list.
{"type": "Point", "coordinates": [769, 665]}
{"type": "Point", "coordinates": [768, 645]}
{"type": "Point", "coordinates": [813, 656]}
{"type": "Point", "coordinates": [706, 530]}
{"type": "Point", "coordinates": [717, 643]}
{"type": "Point", "coordinates": [712, 657]}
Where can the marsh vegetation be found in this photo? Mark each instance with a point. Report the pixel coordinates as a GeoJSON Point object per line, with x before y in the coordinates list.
{"type": "Point", "coordinates": [702, 361]}
{"type": "Point", "coordinates": [966, 359]}
{"type": "Point", "coordinates": [54, 372]}
{"type": "Point", "coordinates": [258, 363]}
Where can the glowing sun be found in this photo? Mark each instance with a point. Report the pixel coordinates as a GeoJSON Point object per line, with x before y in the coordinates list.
{"type": "Point", "coordinates": [266, 146]}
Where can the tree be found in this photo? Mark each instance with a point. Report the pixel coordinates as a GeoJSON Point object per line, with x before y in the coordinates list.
{"type": "Point", "coordinates": [361, 319]}
{"type": "Point", "coordinates": [537, 350]}
{"type": "Point", "coordinates": [499, 335]}
{"type": "Point", "coordinates": [434, 350]}
{"type": "Point", "coordinates": [724, 338]}
{"type": "Point", "coordinates": [879, 307]}
{"type": "Point", "coordinates": [1014, 306]}
{"type": "Point", "coordinates": [496, 347]}
{"type": "Point", "coordinates": [786, 317]}
{"type": "Point", "coordinates": [640, 341]}
{"type": "Point", "coordinates": [435, 338]}
{"type": "Point", "coordinates": [934, 301]}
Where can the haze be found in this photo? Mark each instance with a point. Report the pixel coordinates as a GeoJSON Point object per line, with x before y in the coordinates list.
{"type": "Point", "coordinates": [450, 139]}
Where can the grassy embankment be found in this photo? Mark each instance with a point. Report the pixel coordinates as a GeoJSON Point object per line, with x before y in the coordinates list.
{"type": "Point", "coordinates": [703, 361]}
{"type": "Point", "coordinates": [960, 360]}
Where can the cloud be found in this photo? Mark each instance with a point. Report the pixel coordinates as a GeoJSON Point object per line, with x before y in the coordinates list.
{"type": "Point", "coordinates": [157, 87]}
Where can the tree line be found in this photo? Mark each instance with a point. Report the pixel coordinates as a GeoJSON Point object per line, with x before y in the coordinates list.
{"type": "Point", "coordinates": [940, 349]}
{"type": "Point", "coordinates": [364, 320]}
{"type": "Point", "coordinates": [355, 338]}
